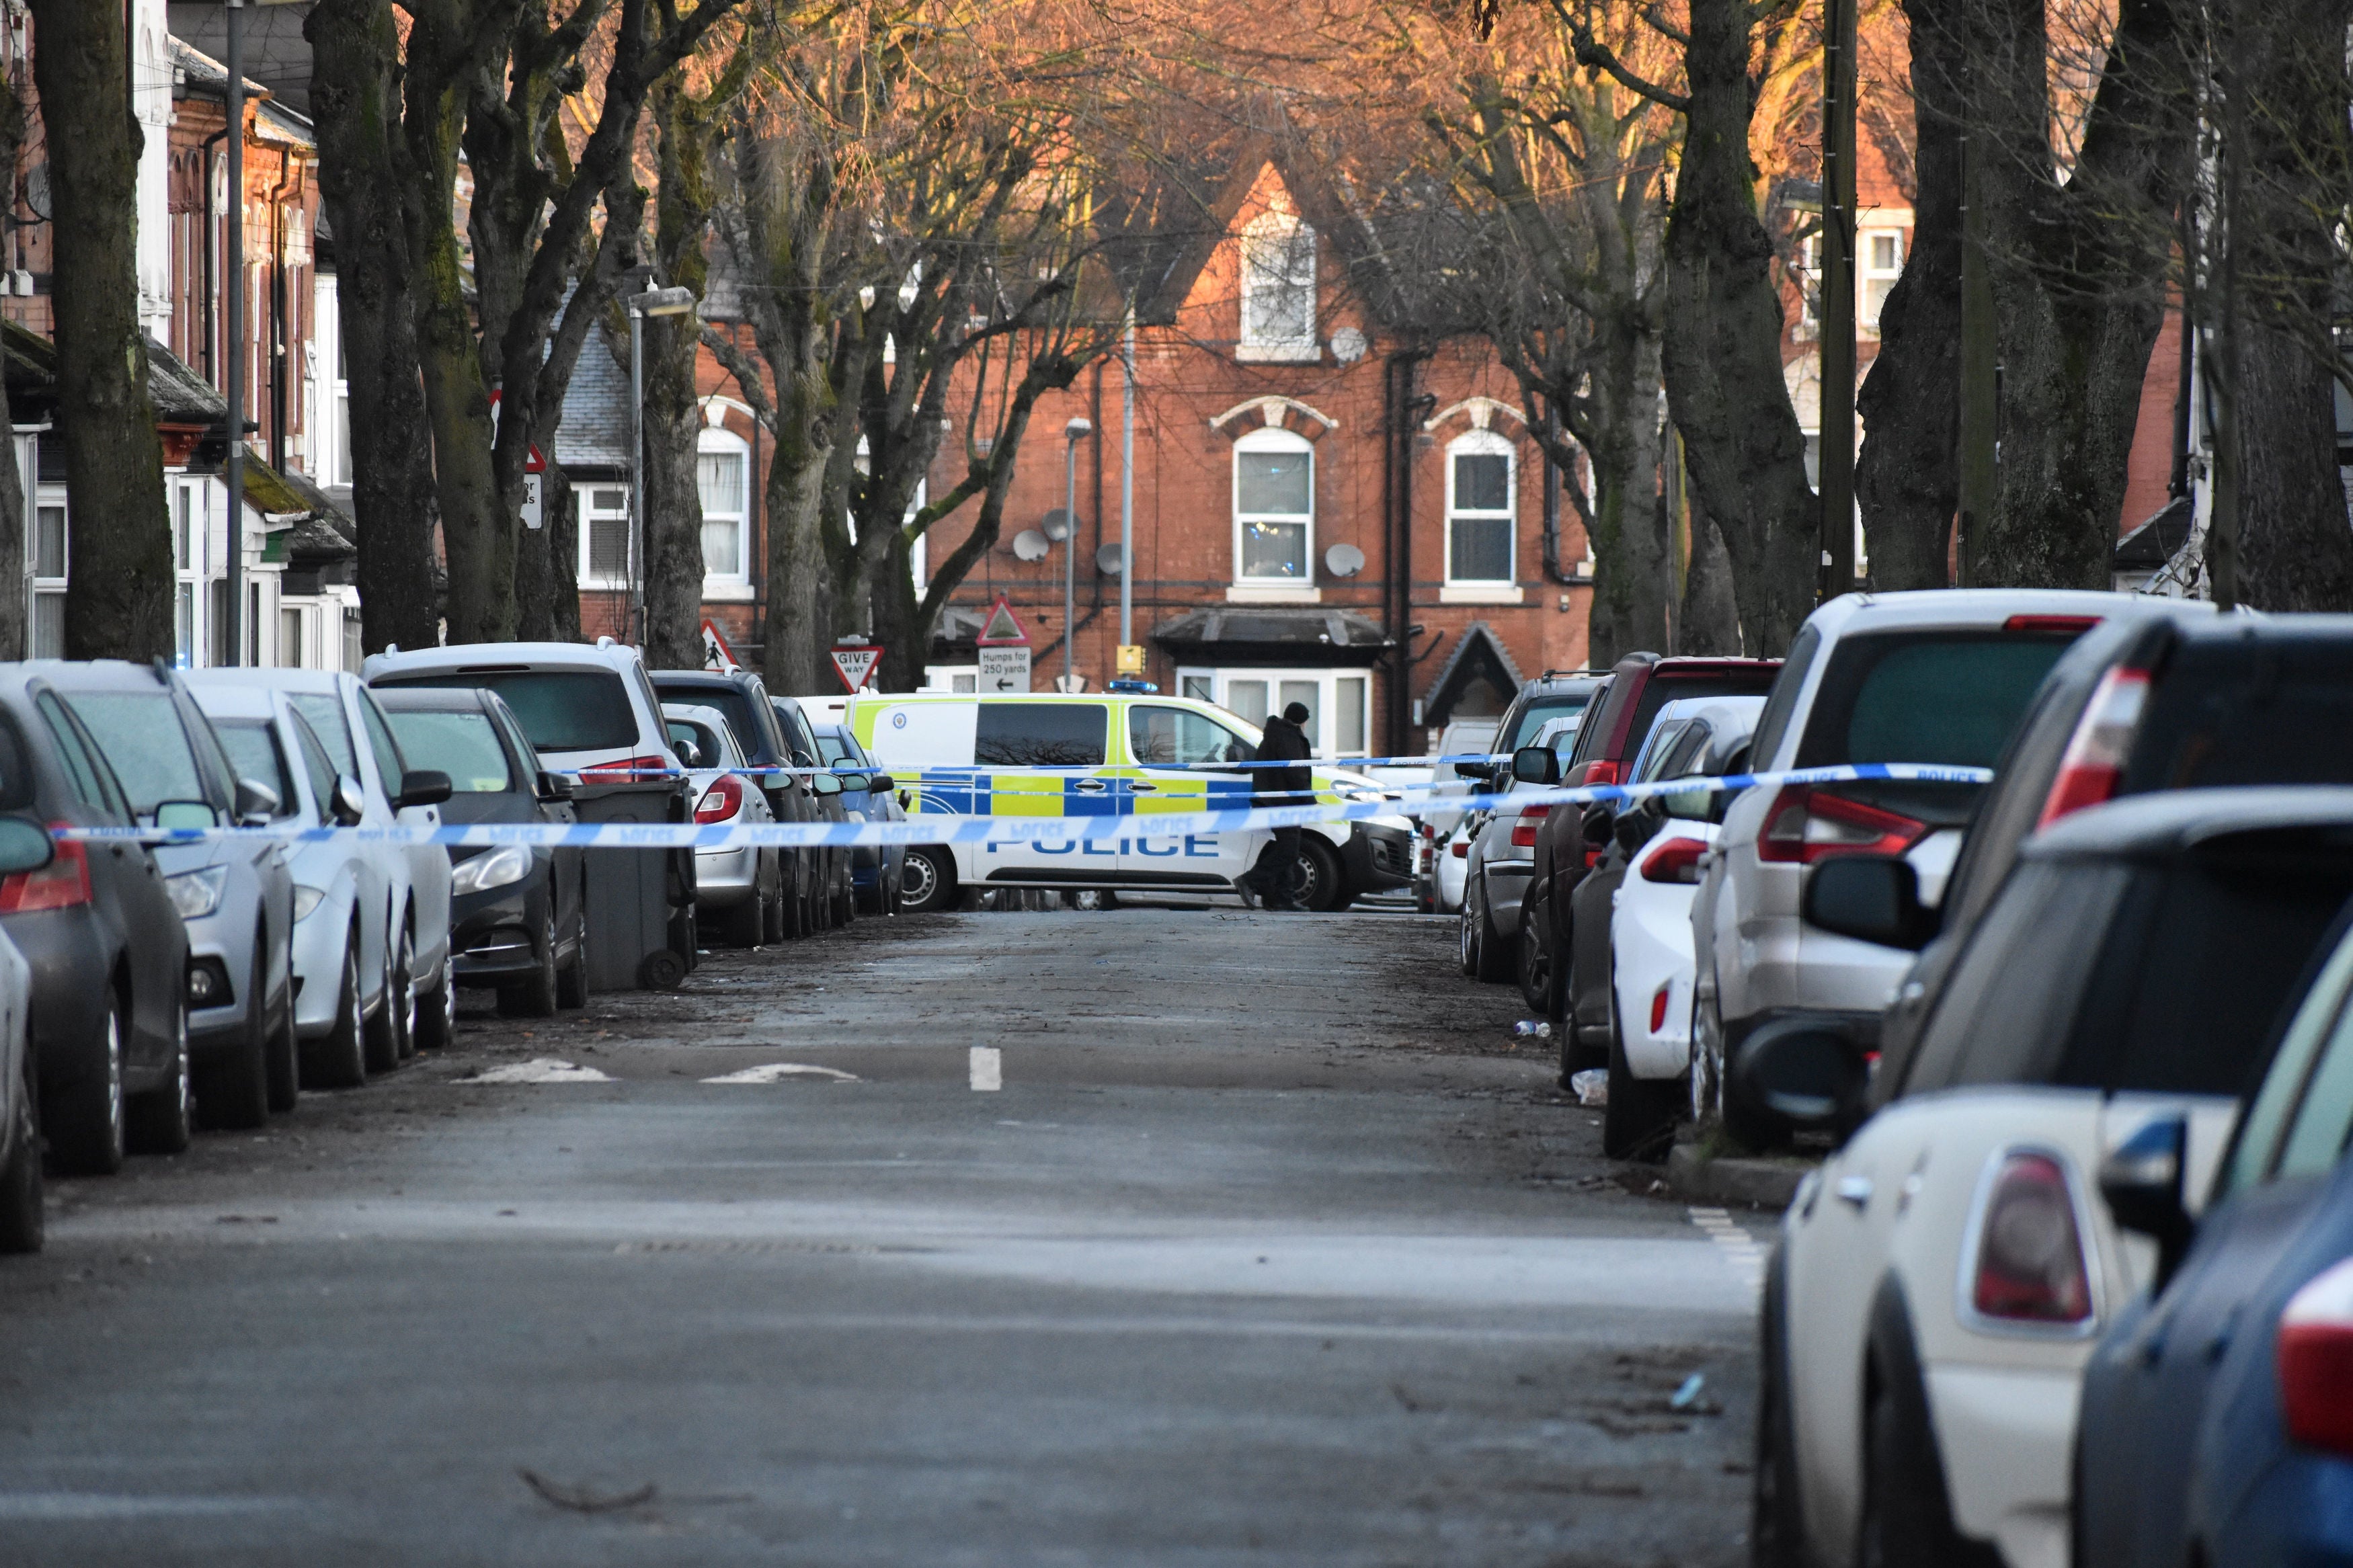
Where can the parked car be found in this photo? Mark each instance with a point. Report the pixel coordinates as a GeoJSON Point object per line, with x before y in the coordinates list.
{"type": "Point", "coordinates": [760, 734]}
{"type": "Point", "coordinates": [2217, 1424]}
{"type": "Point", "coordinates": [1930, 676]}
{"type": "Point", "coordinates": [589, 710]}
{"type": "Point", "coordinates": [25, 847]}
{"type": "Point", "coordinates": [235, 895]}
{"type": "Point", "coordinates": [1499, 855]}
{"type": "Point", "coordinates": [879, 870]}
{"type": "Point", "coordinates": [107, 949]}
{"type": "Point", "coordinates": [1938, 1283]}
{"type": "Point", "coordinates": [342, 883]}
{"type": "Point", "coordinates": [743, 887]}
{"type": "Point", "coordinates": [835, 894]}
{"type": "Point", "coordinates": [411, 998]}
{"type": "Point", "coordinates": [519, 916]}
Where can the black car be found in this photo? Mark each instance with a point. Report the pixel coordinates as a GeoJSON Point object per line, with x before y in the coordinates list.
{"type": "Point", "coordinates": [107, 951]}
{"type": "Point", "coordinates": [518, 913]}
{"type": "Point", "coordinates": [841, 896]}
{"type": "Point", "coordinates": [877, 871]}
{"type": "Point", "coordinates": [742, 698]}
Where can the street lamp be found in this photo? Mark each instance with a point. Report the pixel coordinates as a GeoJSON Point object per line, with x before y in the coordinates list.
{"type": "Point", "coordinates": [1076, 431]}
{"type": "Point", "coordinates": [652, 302]}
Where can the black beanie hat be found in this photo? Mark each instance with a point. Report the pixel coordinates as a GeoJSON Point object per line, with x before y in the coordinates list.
{"type": "Point", "coordinates": [1296, 713]}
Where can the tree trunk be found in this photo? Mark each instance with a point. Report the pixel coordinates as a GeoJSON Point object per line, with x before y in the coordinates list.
{"type": "Point", "coordinates": [1626, 527]}
{"type": "Point", "coordinates": [1709, 622]}
{"type": "Point", "coordinates": [118, 554]}
{"type": "Point", "coordinates": [1907, 479]}
{"type": "Point", "coordinates": [355, 53]}
{"type": "Point", "coordinates": [2079, 273]}
{"type": "Point", "coordinates": [547, 565]}
{"type": "Point", "coordinates": [674, 526]}
{"type": "Point", "coordinates": [15, 634]}
{"type": "Point", "coordinates": [1745, 454]}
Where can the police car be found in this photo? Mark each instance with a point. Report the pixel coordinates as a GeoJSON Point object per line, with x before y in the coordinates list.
{"type": "Point", "coordinates": [1101, 754]}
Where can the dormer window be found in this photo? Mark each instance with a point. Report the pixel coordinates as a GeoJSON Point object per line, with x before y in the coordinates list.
{"type": "Point", "coordinates": [1278, 279]}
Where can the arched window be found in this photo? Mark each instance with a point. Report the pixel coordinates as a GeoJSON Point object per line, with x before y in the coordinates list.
{"type": "Point", "coordinates": [1480, 517]}
{"type": "Point", "coordinates": [724, 474]}
{"type": "Point", "coordinates": [1274, 508]}
{"type": "Point", "coordinates": [1278, 288]}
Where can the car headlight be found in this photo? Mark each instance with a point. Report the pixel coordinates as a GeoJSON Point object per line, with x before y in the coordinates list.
{"type": "Point", "coordinates": [197, 894]}
{"type": "Point", "coordinates": [508, 863]}
{"type": "Point", "coordinates": [307, 900]}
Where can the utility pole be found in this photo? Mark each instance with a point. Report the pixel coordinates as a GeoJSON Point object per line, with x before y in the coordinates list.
{"type": "Point", "coordinates": [1076, 431]}
{"type": "Point", "coordinates": [1836, 444]}
{"type": "Point", "coordinates": [1127, 493]}
{"type": "Point", "coordinates": [233, 633]}
{"type": "Point", "coordinates": [1980, 371]}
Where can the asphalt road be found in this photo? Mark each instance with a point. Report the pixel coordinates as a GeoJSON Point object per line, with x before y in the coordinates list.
{"type": "Point", "coordinates": [1271, 1249]}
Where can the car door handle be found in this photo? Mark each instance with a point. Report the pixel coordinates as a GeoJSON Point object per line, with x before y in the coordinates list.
{"type": "Point", "coordinates": [1856, 1189]}
{"type": "Point", "coordinates": [1140, 786]}
{"type": "Point", "coordinates": [1090, 786]}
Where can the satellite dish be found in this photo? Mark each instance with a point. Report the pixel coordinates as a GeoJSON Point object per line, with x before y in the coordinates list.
{"type": "Point", "coordinates": [1030, 545]}
{"type": "Point", "coordinates": [1348, 346]}
{"type": "Point", "coordinates": [1057, 525]}
{"type": "Point", "coordinates": [1344, 559]}
{"type": "Point", "coordinates": [1108, 559]}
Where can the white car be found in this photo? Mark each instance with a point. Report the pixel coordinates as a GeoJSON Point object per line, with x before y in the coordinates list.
{"type": "Point", "coordinates": [1650, 926]}
{"type": "Point", "coordinates": [420, 1007]}
{"type": "Point", "coordinates": [1938, 676]}
{"type": "Point", "coordinates": [24, 846]}
{"type": "Point", "coordinates": [343, 886]}
{"type": "Point", "coordinates": [1939, 1283]}
{"type": "Point", "coordinates": [590, 711]}
{"type": "Point", "coordinates": [745, 887]}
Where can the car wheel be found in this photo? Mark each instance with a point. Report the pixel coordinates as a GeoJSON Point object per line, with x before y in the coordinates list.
{"type": "Point", "coordinates": [285, 1066]}
{"type": "Point", "coordinates": [85, 1122]}
{"type": "Point", "coordinates": [158, 1121]}
{"type": "Point", "coordinates": [1776, 1536]}
{"type": "Point", "coordinates": [233, 1086]}
{"type": "Point", "coordinates": [1498, 955]}
{"type": "Point", "coordinates": [743, 925]}
{"type": "Point", "coordinates": [1536, 962]}
{"type": "Point", "coordinates": [1907, 1519]}
{"type": "Point", "coordinates": [391, 1030]}
{"type": "Point", "coordinates": [778, 907]}
{"type": "Point", "coordinates": [20, 1178]}
{"type": "Point", "coordinates": [572, 981]}
{"type": "Point", "coordinates": [534, 996]}
{"type": "Point", "coordinates": [437, 1014]}
{"type": "Point", "coordinates": [339, 1059]}
{"type": "Point", "coordinates": [1322, 882]}
{"type": "Point", "coordinates": [927, 882]}
{"type": "Point", "coordinates": [1466, 940]}
{"type": "Point", "coordinates": [1639, 1122]}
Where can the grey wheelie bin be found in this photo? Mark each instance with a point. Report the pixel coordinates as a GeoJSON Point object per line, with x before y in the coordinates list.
{"type": "Point", "coordinates": [641, 902]}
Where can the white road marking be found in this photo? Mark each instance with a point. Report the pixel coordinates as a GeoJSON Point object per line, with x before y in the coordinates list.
{"type": "Point", "coordinates": [62, 1506]}
{"type": "Point", "coordinates": [541, 1069]}
{"type": "Point", "coordinates": [776, 1072]}
{"type": "Point", "coordinates": [987, 1069]}
{"type": "Point", "coordinates": [1738, 1247]}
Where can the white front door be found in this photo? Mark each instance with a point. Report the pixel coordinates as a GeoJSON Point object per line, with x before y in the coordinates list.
{"type": "Point", "coordinates": [1339, 701]}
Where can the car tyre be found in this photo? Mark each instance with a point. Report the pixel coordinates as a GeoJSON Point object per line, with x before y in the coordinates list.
{"type": "Point", "coordinates": [1639, 1122]}
{"type": "Point", "coordinates": [286, 1051]}
{"type": "Point", "coordinates": [159, 1122]}
{"type": "Point", "coordinates": [745, 923]}
{"type": "Point", "coordinates": [1776, 1533]}
{"type": "Point", "coordinates": [1908, 1519]}
{"type": "Point", "coordinates": [928, 882]}
{"type": "Point", "coordinates": [436, 1015]}
{"type": "Point", "coordinates": [779, 907]}
{"type": "Point", "coordinates": [232, 1085]}
{"type": "Point", "coordinates": [85, 1122]}
{"type": "Point", "coordinates": [20, 1178]}
{"type": "Point", "coordinates": [1322, 884]}
{"type": "Point", "coordinates": [1466, 941]}
{"type": "Point", "coordinates": [1497, 957]}
{"type": "Point", "coordinates": [572, 980]}
{"type": "Point", "coordinates": [534, 996]}
{"type": "Point", "coordinates": [1535, 960]}
{"type": "Point", "coordinates": [391, 1030]}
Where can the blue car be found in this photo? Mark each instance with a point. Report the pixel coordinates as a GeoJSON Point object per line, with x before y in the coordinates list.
{"type": "Point", "coordinates": [2217, 1423]}
{"type": "Point", "coordinates": [877, 871]}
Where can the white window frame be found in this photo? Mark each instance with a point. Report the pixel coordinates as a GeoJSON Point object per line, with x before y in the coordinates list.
{"type": "Point", "coordinates": [1324, 740]}
{"type": "Point", "coordinates": [584, 510]}
{"type": "Point", "coordinates": [1486, 444]}
{"type": "Point", "coordinates": [718, 441]}
{"type": "Point", "coordinates": [1866, 314]}
{"type": "Point", "coordinates": [1272, 243]}
{"type": "Point", "coordinates": [192, 559]}
{"type": "Point", "coordinates": [334, 383]}
{"type": "Point", "coordinates": [1302, 587]}
{"type": "Point", "coordinates": [39, 587]}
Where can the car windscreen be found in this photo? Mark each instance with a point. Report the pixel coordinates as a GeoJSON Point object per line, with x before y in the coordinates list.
{"type": "Point", "coordinates": [830, 750]}
{"type": "Point", "coordinates": [1040, 735]}
{"type": "Point", "coordinates": [1533, 716]}
{"type": "Point", "coordinates": [560, 709]}
{"type": "Point", "coordinates": [1663, 688]}
{"type": "Point", "coordinates": [462, 746]}
{"type": "Point", "coordinates": [733, 705]}
{"type": "Point", "coordinates": [325, 710]}
{"type": "Point", "coordinates": [253, 750]}
{"type": "Point", "coordinates": [1951, 696]}
{"type": "Point", "coordinates": [141, 734]}
{"type": "Point", "coordinates": [2245, 711]}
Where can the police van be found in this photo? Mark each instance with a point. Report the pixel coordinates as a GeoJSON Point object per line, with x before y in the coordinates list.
{"type": "Point", "coordinates": [1093, 755]}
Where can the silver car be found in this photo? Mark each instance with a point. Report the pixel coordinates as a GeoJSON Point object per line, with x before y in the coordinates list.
{"type": "Point", "coordinates": [235, 895]}
{"type": "Point", "coordinates": [743, 888]}
{"type": "Point", "coordinates": [1502, 858]}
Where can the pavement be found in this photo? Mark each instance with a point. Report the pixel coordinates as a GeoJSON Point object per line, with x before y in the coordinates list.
{"type": "Point", "coordinates": [1129, 1238]}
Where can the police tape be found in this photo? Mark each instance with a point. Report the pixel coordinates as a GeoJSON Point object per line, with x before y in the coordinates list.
{"type": "Point", "coordinates": [598, 774]}
{"type": "Point", "coordinates": [934, 828]}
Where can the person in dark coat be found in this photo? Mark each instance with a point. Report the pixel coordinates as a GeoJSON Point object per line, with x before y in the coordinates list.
{"type": "Point", "coordinates": [1275, 878]}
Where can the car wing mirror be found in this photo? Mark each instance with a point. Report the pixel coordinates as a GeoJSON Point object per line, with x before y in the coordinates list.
{"type": "Point", "coordinates": [2142, 1184]}
{"type": "Point", "coordinates": [1798, 1075]}
{"type": "Point", "coordinates": [1635, 826]}
{"type": "Point", "coordinates": [880, 784]}
{"type": "Point", "coordinates": [256, 803]}
{"type": "Point", "coordinates": [1476, 768]}
{"type": "Point", "coordinates": [826, 783]}
{"type": "Point", "coordinates": [423, 786]}
{"type": "Point", "coordinates": [1870, 898]}
{"type": "Point", "coordinates": [186, 814]}
{"type": "Point", "coordinates": [24, 845]}
{"type": "Point", "coordinates": [349, 804]}
{"type": "Point", "coordinates": [1536, 765]}
{"type": "Point", "coordinates": [554, 787]}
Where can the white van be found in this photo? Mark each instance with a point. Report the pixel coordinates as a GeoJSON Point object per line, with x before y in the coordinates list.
{"type": "Point", "coordinates": [1106, 753]}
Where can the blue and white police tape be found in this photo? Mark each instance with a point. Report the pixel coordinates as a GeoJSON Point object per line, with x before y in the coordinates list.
{"type": "Point", "coordinates": [594, 776]}
{"type": "Point", "coordinates": [942, 829]}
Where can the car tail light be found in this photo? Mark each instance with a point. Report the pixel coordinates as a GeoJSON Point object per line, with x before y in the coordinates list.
{"type": "Point", "coordinates": [2093, 762]}
{"type": "Point", "coordinates": [1806, 825]}
{"type": "Point", "coordinates": [2050, 623]}
{"type": "Point", "coordinates": [1604, 773]}
{"type": "Point", "coordinates": [2316, 1360]}
{"type": "Point", "coordinates": [2030, 1264]}
{"type": "Point", "coordinates": [1461, 849]}
{"type": "Point", "coordinates": [1659, 1006]}
{"type": "Point", "coordinates": [1523, 831]}
{"type": "Point", "coordinates": [1675, 860]}
{"type": "Point", "coordinates": [723, 800]}
{"type": "Point", "coordinates": [61, 884]}
{"type": "Point", "coordinates": [645, 767]}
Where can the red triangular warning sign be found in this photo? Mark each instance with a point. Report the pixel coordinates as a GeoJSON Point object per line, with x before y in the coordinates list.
{"type": "Point", "coordinates": [855, 665]}
{"type": "Point", "coordinates": [1002, 628]}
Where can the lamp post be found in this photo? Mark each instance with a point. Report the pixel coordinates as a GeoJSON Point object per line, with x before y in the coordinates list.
{"type": "Point", "coordinates": [652, 302]}
{"type": "Point", "coordinates": [232, 634]}
{"type": "Point", "coordinates": [1076, 431]}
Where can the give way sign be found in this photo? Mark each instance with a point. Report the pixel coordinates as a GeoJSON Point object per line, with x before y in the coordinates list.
{"type": "Point", "coordinates": [855, 662]}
